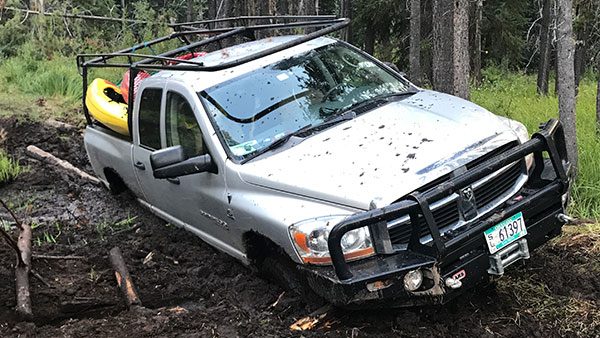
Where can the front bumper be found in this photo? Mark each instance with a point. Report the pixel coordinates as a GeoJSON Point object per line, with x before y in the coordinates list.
{"type": "Point", "coordinates": [462, 255]}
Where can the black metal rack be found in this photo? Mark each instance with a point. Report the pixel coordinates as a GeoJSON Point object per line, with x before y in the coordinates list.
{"type": "Point", "coordinates": [550, 139]}
{"type": "Point", "coordinates": [167, 60]}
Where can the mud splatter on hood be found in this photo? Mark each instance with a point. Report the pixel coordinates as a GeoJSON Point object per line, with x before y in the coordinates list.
{"type": "Point", "coordinates": [385, 153]}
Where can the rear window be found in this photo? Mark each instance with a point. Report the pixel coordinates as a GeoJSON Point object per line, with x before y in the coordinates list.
{"type": "Point", "coordinates": [149, 119]}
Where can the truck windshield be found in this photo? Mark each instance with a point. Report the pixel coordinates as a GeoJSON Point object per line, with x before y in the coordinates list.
{"type": "Point", "coordinates": [256, 109]}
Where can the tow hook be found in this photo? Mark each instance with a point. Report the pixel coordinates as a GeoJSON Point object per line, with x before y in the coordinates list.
{"type": "Point", "coordinates": [453, 283]}
{"type": "Point", "coordinates": [565, 219]}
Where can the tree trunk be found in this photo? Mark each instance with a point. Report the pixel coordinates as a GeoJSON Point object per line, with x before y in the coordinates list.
{"type": "Point", "coordinates": [190, 11]}
{"type": "Point", "coordinates": [443, 32]}
{"type": "Point", "coordinates": [598, 95]}
{"type": "Point", "coordinates": [212, 9]}
{"type": "Point", "coordinates": [414, 56]}
{"type": "Point", "coordinates": [369, 38]}
{"type": "Point", "coordinates": [476, 71]}
{"type": "Point", "coordinates": [346, 12]}
{"type": "Point", "coordinates": [461, 49]}
{"type": "Point", "coordinates": [544, 66]}
{"type": "Point", "coordinates": [566, 76]}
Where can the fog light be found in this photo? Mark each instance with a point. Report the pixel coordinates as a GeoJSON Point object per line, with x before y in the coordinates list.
{"type": "Point", "coordinates": [413, 280]}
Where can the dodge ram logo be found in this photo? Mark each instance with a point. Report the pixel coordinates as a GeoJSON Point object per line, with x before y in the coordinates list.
{"type": "Point", "coordinates": [466, 204]}
{"type": "Point", "coordinates": [467, 193]}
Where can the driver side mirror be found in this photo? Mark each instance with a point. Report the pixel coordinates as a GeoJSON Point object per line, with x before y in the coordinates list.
{"type": "Point", "coordinates": [172, 163]}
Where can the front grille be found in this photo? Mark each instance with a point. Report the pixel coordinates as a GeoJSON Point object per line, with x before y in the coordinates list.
{"type": "Point", "coordinates": [448, 214]}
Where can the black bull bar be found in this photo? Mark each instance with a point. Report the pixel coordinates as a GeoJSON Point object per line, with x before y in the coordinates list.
{"type": "Point", "coordinates": [550, 140]}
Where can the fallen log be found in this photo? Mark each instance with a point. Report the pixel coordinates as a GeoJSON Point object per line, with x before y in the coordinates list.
{"type": "Point", "coordinates": [123, 278]}
{"type": "Point", "coordinates": [62, 165]}
{"type": "Point", "coordinates": [59, 125]}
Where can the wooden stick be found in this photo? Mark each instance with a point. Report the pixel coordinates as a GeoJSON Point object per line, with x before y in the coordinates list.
{"type": "Point", "coordinates": [13, 244]}
{"type": "Point", "coordinates": [58, 257]}
{"type": "Point", "coordinates": [63, 165]}
{"type": "Point", "coordinates": [8, 237]}
{"type": "Point", "coordinates": [123, 278]}
{"type": "Point", "coordinates": [40, 278]}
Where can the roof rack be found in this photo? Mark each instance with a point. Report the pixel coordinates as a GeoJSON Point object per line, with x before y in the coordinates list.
{"type": "Point", "coordinates": [167, 60]}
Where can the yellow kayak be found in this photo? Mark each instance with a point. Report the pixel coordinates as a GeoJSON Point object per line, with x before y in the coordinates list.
{"type": "Point", "coordinates": [104, 101]}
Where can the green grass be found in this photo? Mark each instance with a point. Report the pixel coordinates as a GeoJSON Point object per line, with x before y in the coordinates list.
{"type": "Point", "coordinates": [514, 96]}
{"type": "Point", "coordinates": [9, 168]}
{"type": "Point", "coordinates": [106, 226]}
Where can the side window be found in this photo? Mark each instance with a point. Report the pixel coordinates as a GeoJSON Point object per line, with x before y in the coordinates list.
{"type": "Point", "coordinates": [149, 119]}
{"type": "Point", "coordinates": [182, 126]}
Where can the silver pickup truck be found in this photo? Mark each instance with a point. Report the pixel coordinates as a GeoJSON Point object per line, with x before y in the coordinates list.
{"type": "Point", "coordinates": [304, 146]}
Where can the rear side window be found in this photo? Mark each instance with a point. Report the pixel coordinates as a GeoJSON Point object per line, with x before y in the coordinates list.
{"type": "Point", "coordinates": [182, 126]}
{"type": "Point", "coordinates": [149, 119]}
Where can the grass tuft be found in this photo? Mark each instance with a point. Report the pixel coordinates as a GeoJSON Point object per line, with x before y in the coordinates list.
{"type": "Point", "coordinates": [9, 168]}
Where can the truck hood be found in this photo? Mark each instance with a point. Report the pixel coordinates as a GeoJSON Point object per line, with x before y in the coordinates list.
{"type": "Point", "coordinates": [383, 154]}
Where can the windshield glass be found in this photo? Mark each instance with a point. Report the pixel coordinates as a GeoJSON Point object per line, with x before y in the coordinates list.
{"type": "Point", "coordinates": [256, 109]}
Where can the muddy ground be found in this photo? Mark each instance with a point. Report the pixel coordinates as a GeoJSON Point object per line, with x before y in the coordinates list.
{"type": "Point", "coordinates": [191, 290]}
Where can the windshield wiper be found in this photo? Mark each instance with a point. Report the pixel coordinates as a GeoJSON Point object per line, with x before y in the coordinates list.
{"type": "Point", "coordinates": [378, 99]}
{"type": "Point", "coordinates": [331, 122]}
{"type": "Point", "coordinates": [277, 143]}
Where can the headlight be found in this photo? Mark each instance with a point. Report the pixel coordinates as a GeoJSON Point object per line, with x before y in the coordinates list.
{"type": "Point", "coordinates": [310, 240]}
{"type": "Point", "coordinates": [522, 134]}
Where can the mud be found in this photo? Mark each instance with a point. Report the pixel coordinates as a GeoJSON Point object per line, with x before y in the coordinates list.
{"type": "Point", "coordinates": [190, 289]}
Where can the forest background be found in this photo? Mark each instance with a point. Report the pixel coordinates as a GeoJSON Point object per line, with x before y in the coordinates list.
{"type": "Point", "coordinates": [504, 53]}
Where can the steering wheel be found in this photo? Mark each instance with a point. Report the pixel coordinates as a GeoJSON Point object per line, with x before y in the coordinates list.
{"type": "Point", "coordinates": [331, 91]}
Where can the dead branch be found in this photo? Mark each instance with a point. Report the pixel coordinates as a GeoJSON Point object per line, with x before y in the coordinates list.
{"type": "Point", "coordinates": [11, 242]}
{"type": "Point", "coordinates": [123, 278]}
{"type": "Point", "coordinates": [66, 258]}
{"type": "Point", "coordinates": [579, 221]}
{"type": "Point", "coordinates": [63, 165]}
{"type": "Point", "coordinates": [40, 278]}
{"type": "Point", "coordinates": [22, 274]}
{"type": "Point", "coordinates": [23, 250]}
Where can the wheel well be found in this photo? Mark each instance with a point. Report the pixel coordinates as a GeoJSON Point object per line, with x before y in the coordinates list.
{"type": "Point", "coordinates": [258, 247]}
{"type": "Point", "coordinates": [116, 184]}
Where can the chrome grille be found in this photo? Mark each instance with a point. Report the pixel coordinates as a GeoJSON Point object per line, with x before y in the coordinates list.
{"type": "Point", "coordinates": [489, 193]}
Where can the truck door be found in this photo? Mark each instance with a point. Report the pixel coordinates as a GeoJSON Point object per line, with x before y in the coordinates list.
{"type": "Point", "coordinates": [197, 202]}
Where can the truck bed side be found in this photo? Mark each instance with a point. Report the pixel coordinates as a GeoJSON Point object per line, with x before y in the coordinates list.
{"type": "Point", "coordinates": [110, 154]}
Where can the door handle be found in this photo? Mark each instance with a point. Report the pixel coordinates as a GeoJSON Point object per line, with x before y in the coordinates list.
{"type": "Point", "coordinates": [174, 180]}
{"type": "Point", "coordinates": [139, 165]}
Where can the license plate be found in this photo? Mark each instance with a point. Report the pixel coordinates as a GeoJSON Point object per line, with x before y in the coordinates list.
{"type": "Point", "coordinates": [505, 232]}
